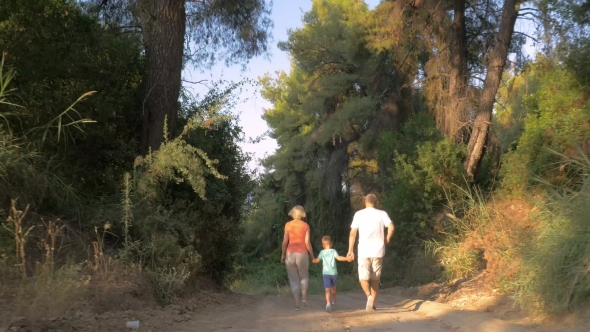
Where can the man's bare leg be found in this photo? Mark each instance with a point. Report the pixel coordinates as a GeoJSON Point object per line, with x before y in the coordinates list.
{"type": "Point", "coordinates": [366, 286]}
{"type": "Point", "coordinates": [374, 289]}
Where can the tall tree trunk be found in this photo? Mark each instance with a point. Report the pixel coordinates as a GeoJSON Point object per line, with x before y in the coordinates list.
{"type": "Point", "coordinates": [456, 115]}
{"type": "Point", "coordinates": [495, 68]}
{"type": "Point", "coordinates": [163, 24]}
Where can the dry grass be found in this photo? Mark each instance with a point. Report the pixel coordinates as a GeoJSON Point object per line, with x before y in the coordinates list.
{"type": "Point", "coordinates": [71, 288]}
{"type": "Point", "coordinates": [50, 291]}
{"type": "Point", "coordinates": [501, 239]}
{"type": "Point", "coordinates": [15, 225]}
{"type": "Point", "coordinates": [481, 234]}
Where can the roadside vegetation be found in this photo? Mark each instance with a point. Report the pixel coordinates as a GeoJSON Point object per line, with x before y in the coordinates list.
{"type": "Point", "coordinates": [112, 186]}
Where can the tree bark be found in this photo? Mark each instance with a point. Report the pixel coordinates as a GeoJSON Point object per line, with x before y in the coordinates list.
{"type": "Point", "coordinates": [495, 68]}
{"type": "Point", "coordinates": [163, 24]}
{"type": "Point", "coordinates": [456, 114]}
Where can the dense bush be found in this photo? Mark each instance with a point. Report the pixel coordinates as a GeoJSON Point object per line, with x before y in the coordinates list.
{"type": "Point", "coordinates": [423, 166]}
{"type": "Point", "coordinates": [60, 53]}
{"type": "Point", "coordinates": [175, 212]}
{"type": "Point", "coordinates": [557, 118]}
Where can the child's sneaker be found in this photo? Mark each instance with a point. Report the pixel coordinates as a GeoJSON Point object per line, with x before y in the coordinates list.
{"type": "Point", "coordinates": [333, 302]}
{"type": "Point", "coordinates": [328, 308]}
{"type": "Point", "coordinates": [305, 303]}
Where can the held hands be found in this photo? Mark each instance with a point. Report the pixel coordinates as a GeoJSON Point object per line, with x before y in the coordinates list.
{"type": "Point", "coordinates": [350, 256]}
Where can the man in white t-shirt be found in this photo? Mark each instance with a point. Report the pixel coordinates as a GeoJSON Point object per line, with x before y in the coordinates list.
{"type": "Point", "coordinates": [370, 223]}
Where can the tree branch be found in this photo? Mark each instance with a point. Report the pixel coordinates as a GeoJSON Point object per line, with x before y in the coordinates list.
{"type": "Point", "coordinates": [197, 82]}
{"type": "Point", "coordinates": [528, 36]}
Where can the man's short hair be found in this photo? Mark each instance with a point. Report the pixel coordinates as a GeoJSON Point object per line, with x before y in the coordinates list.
{"type": "Point", "coordinates": [371, 199]}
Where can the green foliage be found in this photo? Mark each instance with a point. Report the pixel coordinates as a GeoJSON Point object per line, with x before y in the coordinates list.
{"type": "Point", "coordinates": [263, 226]}
{"type": "Point", "coordinates": [24, 173]}
{"type": "Point", "coordinates": [180, 207]}
{"type": "Point", "coordinates": [320, 112]}
{"type": "Point", "coordinates": [576, 61]}
{"type": "Point", "coordinates": [17, 158]}
{"type": "Point", "coordinates": [174, 157]}
{"type": "Point", "coordinates": [168, 283]}
{"type": "Point", "coordinates": [512, 106]}
{"type": "Point", "coordinates": [234, 31]}
{"type": "Point", "coordinates": [189, 195]}
{"type": "Point", "coordinates": [62, 53]}
{"type": "Point", "coordinates": [557, 117]}
{"type": "Point", "coordinates": [555, 277]}
{"type": "Point", "coordinates": [166, 252]}
{"type": "Point", "coordinates": [423, 166]}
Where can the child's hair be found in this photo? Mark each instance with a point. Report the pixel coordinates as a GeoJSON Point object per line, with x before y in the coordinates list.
{"type": "Point", "coordinates": [327, 239]}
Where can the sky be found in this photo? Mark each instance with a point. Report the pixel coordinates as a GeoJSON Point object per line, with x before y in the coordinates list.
{"type": "Point", "coordinates": [286, 14]}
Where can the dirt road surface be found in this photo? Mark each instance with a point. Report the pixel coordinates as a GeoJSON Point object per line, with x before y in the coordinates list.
{"type": "Point", "coordinates": [393, 314]}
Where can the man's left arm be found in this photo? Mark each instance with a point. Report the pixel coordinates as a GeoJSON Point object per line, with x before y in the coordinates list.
{"type": "Point", "coordinates": [390, 228]}
{"type": "Point", "coordinates": [351, 241]}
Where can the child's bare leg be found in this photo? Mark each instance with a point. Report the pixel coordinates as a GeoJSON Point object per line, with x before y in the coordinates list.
{"type": "Point", "coordinates": [333, 289]}
{"type": "Point", "coordinates": [327, 295]}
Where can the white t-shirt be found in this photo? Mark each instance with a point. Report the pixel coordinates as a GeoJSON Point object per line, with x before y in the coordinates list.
{"type": "Point", "coordinates": [371, 223]}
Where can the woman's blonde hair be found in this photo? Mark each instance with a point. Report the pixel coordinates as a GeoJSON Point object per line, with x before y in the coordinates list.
{"type": "Point", "coordinates": [297, 212]}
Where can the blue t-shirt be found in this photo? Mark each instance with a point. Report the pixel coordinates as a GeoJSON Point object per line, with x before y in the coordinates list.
{"type": "Point", "coordinates": [328, 258]}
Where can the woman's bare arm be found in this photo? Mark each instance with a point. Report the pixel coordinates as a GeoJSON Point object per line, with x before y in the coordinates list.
{"type": "Point", "coordinates": [308, 244]}
{"type": "Point", "coordinates": [284, 246]}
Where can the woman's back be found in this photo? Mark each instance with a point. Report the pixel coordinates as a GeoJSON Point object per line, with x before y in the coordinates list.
{"type": "Point", "coordinates": [297, 230]}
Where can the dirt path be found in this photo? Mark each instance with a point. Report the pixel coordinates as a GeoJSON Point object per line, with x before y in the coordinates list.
{"type": "Point", "coordinates": [394, 314]}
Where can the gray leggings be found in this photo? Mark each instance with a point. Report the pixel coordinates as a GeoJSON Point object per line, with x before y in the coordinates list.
{"type": "Point", "coordinates": [297, 269]}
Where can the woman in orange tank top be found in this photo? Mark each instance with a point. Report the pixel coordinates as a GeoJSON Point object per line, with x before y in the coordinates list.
{"type": "Point", "coordinates": [296, 250]}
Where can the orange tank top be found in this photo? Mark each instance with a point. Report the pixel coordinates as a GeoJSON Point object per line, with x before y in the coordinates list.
{"type": "Point", "coordinates": [296, 231]}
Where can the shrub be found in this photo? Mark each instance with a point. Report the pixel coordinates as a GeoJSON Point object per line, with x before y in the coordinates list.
{"type": "Point", "coordinates": [424, 165]}
{"type": "Point", "coordinates": [191, 192]}
{"type": "Point", "coordinates": [168, 283]}
{"type": "Point", "coordinates": [558, 118]}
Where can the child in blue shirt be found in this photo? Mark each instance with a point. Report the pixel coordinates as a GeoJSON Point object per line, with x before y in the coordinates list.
{"type": "Point", "coordinates": [329, 257]}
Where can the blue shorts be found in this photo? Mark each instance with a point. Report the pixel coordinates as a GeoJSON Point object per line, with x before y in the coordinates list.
{"type": "Point", "coordinates": [330, 281]}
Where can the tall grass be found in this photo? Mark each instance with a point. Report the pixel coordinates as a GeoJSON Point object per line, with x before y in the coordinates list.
{"type": "Point", "coordinates": [27, 172]}
{"type": "Point", "coordinates": [556, 275]}
{"type": "Point", "coordinates": [466, 214]}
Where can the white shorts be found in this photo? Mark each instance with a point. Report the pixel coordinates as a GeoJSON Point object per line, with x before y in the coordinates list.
{"type": "Point", "coordinates": [370, 268]}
